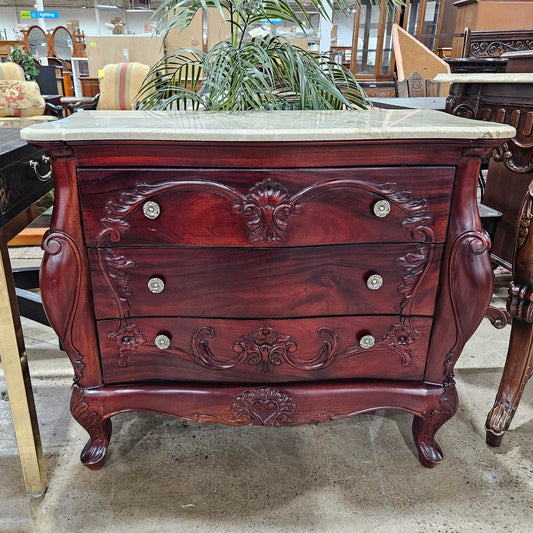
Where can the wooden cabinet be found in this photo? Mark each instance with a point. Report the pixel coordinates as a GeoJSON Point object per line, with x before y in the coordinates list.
{"type": "Point", "coordinates": [89, 86]}
{"type": "Point", "coordinates": [283, 280]}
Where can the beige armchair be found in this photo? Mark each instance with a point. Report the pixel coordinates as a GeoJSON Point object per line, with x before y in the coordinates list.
{"type": "Point", "coordinates": [21, 102]}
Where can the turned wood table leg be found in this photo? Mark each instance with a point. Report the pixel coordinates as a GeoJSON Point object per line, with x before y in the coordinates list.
{"type": "Point", "coordinates": [517, 368]}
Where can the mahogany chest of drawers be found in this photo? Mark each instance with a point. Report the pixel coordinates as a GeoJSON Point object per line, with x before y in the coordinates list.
{"type": "Point", "coordinates": [234, 270]}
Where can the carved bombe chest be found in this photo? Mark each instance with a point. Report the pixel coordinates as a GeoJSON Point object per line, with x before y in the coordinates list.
{"type": "Point", "coordinates": [280, 280]}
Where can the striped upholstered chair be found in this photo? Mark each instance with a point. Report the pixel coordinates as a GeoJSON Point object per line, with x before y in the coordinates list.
{"type": "Point", "coordinates": [119, 86]}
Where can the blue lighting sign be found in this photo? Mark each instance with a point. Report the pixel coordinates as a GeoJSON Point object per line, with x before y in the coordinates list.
{"type": "Point", "coordinates": [45, 14]}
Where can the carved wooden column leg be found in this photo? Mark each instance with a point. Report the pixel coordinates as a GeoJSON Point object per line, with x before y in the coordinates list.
{"type": "Point", "coordinates": [424, 428]}
{"type": "Point", "coordinates": [517, 368]}
{"type": "Point", "coordinates": [516, 373]}
{"type": "Point", "coordinates": [88, 414]}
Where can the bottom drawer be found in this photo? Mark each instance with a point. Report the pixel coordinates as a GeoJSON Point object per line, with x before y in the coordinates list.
{"type": "Point", "coordinates": [263, 351]}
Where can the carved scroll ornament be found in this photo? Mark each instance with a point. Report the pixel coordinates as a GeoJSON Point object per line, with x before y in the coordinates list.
{"type": "Point", "coordinates": [497, 48]}
{"type": "Point", "coordinates": [62, 248]}
{"type": "Point", "coordinates": [267, 207]}
{"type": "Point", "coordinates": [504, 153]}
{"type": "Point", "coordinates": [266, 348]}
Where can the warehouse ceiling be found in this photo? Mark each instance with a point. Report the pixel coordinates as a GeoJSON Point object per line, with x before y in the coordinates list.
{"type": "Point", "coordinates": [58, 4]}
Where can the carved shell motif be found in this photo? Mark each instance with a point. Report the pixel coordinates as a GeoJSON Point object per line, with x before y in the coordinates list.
{"type": "Point", "coordinates": [268, 206]}
{"type": "Point", "coordinates": [263, 407]}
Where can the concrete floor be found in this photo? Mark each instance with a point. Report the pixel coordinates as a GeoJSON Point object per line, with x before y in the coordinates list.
{"type": "Point", "coordinates": [359, 474]}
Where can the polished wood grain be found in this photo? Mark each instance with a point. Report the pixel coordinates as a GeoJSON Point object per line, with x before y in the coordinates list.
{"type": "Point", "coordinates": [247, 283]}
{"type": "Point", "coordinates": [201, 207]}
{"type": "Point", "coordinates": [263, 351]}
{"type": "Point", "coordinates": [221, 154]}
{"type": "Point", "coordinates": [250, 363]}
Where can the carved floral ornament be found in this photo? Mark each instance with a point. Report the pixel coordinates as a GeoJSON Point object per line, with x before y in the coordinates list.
{"type": "Point", "coordinates": [266, 349]}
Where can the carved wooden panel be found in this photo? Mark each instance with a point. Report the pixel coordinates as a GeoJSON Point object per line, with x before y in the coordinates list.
{"type": "Point", "coordinates": [241, 282]}
{"type": "Point", "coordinates": [497, 48]}
{"type": "Point", "coordinates": [265, 208]}
{"type": "Point", "coordinates": [263, 350]}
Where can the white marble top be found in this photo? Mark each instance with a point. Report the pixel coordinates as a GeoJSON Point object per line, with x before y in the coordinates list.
{"type": "Point", "coordinates": [265, 126]}
{"type": "Point", "coordinates": [485, 77]}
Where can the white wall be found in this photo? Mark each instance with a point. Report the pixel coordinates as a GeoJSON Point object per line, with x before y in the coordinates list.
{"type": "Point", "coordinates": [10, 19]}
{"type": "Point", "coordinates": [344, 30]}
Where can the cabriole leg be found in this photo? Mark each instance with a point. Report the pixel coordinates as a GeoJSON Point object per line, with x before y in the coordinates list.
{"type": "Point", "coordinates": [424, 428]}
{"type": "Point", "coordinates": [89, 416]}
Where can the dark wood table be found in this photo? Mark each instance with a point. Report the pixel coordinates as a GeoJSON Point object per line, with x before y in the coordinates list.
{"type": "Point", "coordinates": [509, 189]}
{"type": "Point", "coordinates": [21, 187]}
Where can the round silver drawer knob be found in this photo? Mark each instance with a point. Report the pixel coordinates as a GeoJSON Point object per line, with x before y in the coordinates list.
{"type": "Point", "coordinates": [151, 210]}
{"type": "Point", "coordinates": [156, 285]}
{"type": "Point", "coordinates": [374, 282]}
{"type": "Point", "coordinates": [381, 208]}
{"type": "Point", "coordinates": [367, 342]}
{"type": "Point", "coordinates": [162, 342]}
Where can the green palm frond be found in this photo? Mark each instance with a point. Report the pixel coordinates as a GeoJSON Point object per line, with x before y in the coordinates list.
{"type": "Point", "coordinates": [263, 74]}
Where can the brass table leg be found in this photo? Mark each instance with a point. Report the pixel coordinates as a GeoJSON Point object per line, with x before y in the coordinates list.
{"type": "Point", "coordinates": [17, 377]}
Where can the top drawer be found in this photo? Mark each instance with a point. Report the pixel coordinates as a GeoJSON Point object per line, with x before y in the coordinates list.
{"type": "Point", "coordinates": [274, 207]}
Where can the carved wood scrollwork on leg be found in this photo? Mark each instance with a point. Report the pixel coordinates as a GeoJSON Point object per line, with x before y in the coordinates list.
{"type": "Point", "coordinates": [424, 428]}
{"type": "Point", "coordinates": [519, 363]}
{"type": "Point", "coordinates": [99, 428]}
{"type": "Point", "coordinates": [499, 318]}
{"type": "Point", "coordinates": [504, 154]}
{"type": "Point", "coordinates": [469, 250]}
{"type": "Point", "coordinates": [62, 252]}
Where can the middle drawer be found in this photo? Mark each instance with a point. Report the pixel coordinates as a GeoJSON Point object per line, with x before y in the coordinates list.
{"type": "Point", "coordinates": [257, 282]}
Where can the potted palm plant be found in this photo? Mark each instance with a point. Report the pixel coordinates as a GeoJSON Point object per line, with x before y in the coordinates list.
{"type": "Point", "coordinates": [243, 72]}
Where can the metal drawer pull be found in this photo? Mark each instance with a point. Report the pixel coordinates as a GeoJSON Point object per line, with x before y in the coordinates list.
{"type": "Point", "coordinates": [156, 285]}
{"type": "Point", "coordinates": [151, 210]}
{"type": "Point", "coordinates": [381, 208]}
{"type": "Point", "coordinates": [367, 342]}
{"type": "Point", "coordinates": [45, 160]}
{"type": "Point", "coordinates": [162, 342]}
{"type": "Point", "coordinates": [374, 282]}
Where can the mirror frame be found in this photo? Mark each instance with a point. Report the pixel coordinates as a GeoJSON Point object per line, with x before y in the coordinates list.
{"type": "Point", "coordinates": [27, 39]}
{"type": "Point", "coordinates": [51, 47]}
